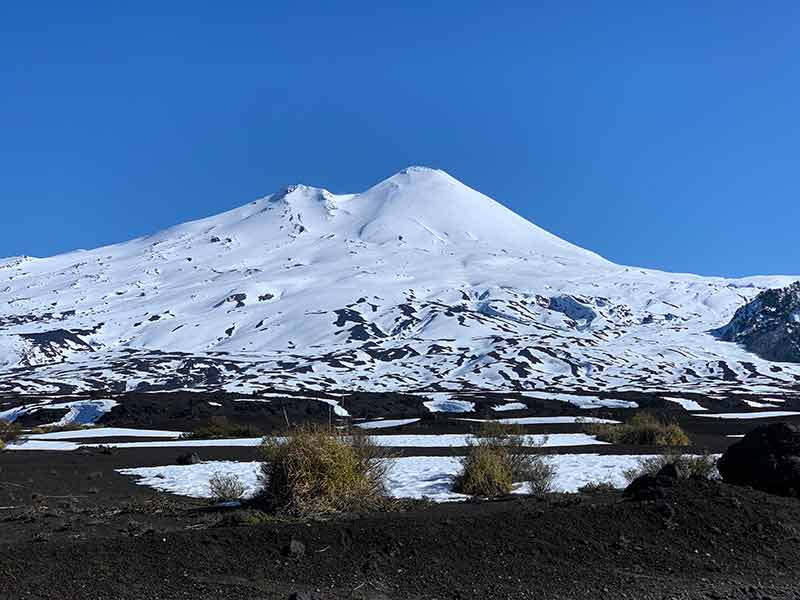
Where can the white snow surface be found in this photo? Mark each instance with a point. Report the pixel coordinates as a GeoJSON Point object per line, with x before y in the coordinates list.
{"type": "Point", "coordinates": [385, 423]}
{"type": "Point", "coordinates": [544, 420]}
{"type": "Point", "coordinates": [79, 412]}
{"type": "Point", "coordinates": [34, 444]}
{"type": "Point", "coordinates": [455, 440]}
{"type": "Point", "coordinates": [445, 403]}
{"type": "Point", "coordinates": [753, 415]}
{"type": "Point", "coordinates": [755, 404]}
{"type": "Point", "coordinates": [509, 406]}
{"type": "Point", "coordinates": [82, 412]}
{"type": "Point", "coordinates": [419, 281]}
{"type": "Point", "coordinates": [104, 432]}
{"type": "Point", "coordinates": [408, 477]}
{"type": "Point", "coordinates": [582, 401]}
{"type": "Point", "coordinates": [690, 405]}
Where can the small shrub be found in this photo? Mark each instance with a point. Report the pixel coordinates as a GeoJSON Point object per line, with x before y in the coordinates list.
{"type": "Point", "coordinates": [494, 429]}
{"type": "Point", "coordinates": [485, 471]}
{"type": "Point", "coordinates": [2, 445]}
{"type": "Point", "coordinates": [702, 466]}
{"type": "Point", "coordinates": [496, 459]}
{"type": "Point", "coordinates": [643, 429]}
{"type": "Point", "coordinates": [219, 428]}
{"type": "Point", "coordinates": [539, 474]}
{"type": "Point", "coordinates": [9, 432]}
{"type": "Point", "coordinates": [226, 487]}
{"type": "Point", "coordinates": [597, 487]}
{"type": "Point", "coordinates": [315, 470]}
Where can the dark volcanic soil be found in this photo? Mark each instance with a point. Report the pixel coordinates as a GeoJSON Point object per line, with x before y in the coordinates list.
{"type": "Point", "coordinates": [80, 531]}
{"type": "Point", "coordinates": [72, 528]}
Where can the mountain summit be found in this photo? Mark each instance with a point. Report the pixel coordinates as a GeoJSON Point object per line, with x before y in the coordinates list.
{"type": "Point", "coordinates": [417, 282]}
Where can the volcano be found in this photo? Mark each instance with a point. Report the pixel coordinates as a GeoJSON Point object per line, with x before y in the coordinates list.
{"type": "Point", "coordinates": [418, 283]}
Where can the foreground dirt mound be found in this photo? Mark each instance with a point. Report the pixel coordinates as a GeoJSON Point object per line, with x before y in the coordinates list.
{"type": "Point", "coordinates": [768, 459]}
{"type": "Point", "coordinates": [703, 540]}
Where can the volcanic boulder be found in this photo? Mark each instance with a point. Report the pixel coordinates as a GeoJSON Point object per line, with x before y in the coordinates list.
{"type": "Point", "coordinates": [652, 487]}
{"type": "Point", "coordinates": [768, 459]}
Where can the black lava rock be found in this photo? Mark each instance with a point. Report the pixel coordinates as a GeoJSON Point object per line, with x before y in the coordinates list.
{"type": "Point", "coordinates": [767, 459]}
{"type": "Point", "coordinates": [189, 458]}
{"type": "Point", "coordinates": [652, 487]}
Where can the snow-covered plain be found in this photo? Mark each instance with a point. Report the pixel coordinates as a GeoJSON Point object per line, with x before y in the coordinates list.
{"type": "Point", "coordinates": [104, 432]}
{"type": "Point", "coordinates": [408, 477]}
{"type": "Point", "coordinates": [543, 420]}
{"type": "Point", "coordinates": [582, 401]}
{"type": "Point", "coordinates": [418, 282]}
{"type": "Point", "coordinates": [385, 423]}
{"type": "Point", "coordinates": [56, 441]}
{"type": "Point", "coordinates": [753, 415]}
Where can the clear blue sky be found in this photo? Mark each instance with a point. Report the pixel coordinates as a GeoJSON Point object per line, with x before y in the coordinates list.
{"type": "Point", "coordinates": [665, 135]}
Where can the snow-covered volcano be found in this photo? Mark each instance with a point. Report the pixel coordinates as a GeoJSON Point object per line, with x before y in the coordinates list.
{"type": "Point", "coordinates": [418, 283]}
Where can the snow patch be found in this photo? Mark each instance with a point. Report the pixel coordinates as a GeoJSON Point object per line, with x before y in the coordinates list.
{"type": "Point", "coordinates": [408, 477]}
{"type": "Point", "coordinates": [510, 406]}
{"type": "Point", "coordinates": [385, 423]}
{"type": "Point", "coordinates": [753, 415]}
{"type": "Point", "coordinates": [447, 404]}
{"type": "Point", "coordinates": [689, 405]}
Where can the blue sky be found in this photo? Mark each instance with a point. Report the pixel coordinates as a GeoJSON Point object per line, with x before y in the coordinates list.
{"type": "Point", "coordinates": [663, 135]}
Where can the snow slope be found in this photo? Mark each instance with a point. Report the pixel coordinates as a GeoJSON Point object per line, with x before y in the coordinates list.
{"type": "Point", "coordinates": [418, 283]}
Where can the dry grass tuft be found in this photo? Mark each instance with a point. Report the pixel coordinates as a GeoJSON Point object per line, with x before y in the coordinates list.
{"type": "Point", "coordinates": [9, 432]}
{"type": "Point", "coordinates": [315, 470]}
{"type": "Point", "coordinates": [597, 487]}
{"type": "Point", "coordinates": [702, 466]}
{"type": "Point", "coordinates": [496, 459]}
{"type": "Point", "coordinates": [643, 429]}
{"type": "Point", "coordinates": [226, 487]}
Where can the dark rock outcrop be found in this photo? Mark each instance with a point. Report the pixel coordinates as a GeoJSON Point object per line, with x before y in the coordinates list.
{"type": "Point", "coordinates": [652, 487]}
{"type": "Point", "coordinates": [769, 325]}
{"type": "Point", "coordinates": [768, 459]}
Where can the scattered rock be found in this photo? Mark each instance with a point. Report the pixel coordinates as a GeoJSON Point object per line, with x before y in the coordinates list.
{"type": "Point", "coordinates": [767, 459]}
{"type": "Point", "coordinates": [295, 549]}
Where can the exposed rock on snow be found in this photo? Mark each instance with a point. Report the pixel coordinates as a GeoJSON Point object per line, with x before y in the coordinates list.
{"type": "Point", "coordinates": [769, 325]}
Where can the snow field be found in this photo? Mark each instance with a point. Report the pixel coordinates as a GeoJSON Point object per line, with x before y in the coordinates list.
{"type": "Point", "coordinates": [53, 441]}
{"type": "Point", "coordinates": [408, 477]}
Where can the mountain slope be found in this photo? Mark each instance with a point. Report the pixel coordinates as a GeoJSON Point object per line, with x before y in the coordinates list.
{"type": "Point", "coordinates": [420, 281]}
